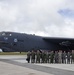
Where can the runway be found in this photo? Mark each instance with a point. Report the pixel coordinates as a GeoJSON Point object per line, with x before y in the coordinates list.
{"type": "Point", "coordinates": [17, 65]}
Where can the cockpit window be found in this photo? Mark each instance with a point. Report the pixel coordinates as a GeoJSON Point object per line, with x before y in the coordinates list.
{"type": "Point", "coordinates": [10, 34]}
{"type": "Point", "coordinates": [6, 34]}
{"type": "Point", "coordinates": [5, 38]}
{"type": "Point", "coordinates": [3, 34]}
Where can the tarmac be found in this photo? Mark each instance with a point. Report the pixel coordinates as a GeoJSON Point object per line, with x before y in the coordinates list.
{"type": "Point", "coordinates": [17, 65]}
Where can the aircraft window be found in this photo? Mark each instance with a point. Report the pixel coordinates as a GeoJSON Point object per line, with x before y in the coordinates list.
{"type": "Point", "coordinates": [7, 34]}
{"type": "Point", "coordinates": [3, 34]}
{"type": "Point", "coordinates": [5, 38]}
{"type": "Point", "coordinates": [10, 34]}
{"type": "Point", "coordinates": [15, 40]}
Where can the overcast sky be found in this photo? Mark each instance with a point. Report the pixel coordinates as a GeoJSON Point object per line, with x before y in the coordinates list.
{"type": "Point", "coordinates": [41, 17]}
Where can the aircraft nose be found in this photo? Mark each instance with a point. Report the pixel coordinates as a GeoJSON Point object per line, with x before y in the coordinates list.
{"type": "Point", "coordinates": [1, 38]}
{"type": "Point", "coordinates": [3, 42]}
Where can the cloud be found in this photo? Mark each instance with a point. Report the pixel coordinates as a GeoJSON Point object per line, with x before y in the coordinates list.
{"type": "Point", "coordinates": [39, 17]}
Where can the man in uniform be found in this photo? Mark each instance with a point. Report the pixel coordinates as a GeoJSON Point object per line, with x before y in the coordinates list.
{"type": "Point", "coordinates": [38, 56]}
{"type": "Point", "coordinates": [51, 57]}
{"type": "Point", "coordinates": [28, 56]}
{"type": "Point", "coordinates": [43, 56]}
{"type": "Point", "coordinates": [72, 56]}
{"type": "Point", "coordinates": [47, 57]}
{"type": "Point", "coordinates": [60, 56]}
{"type": "Point", "coordinates": [56, 57]}
{"type": "Point", "coordinates": [32, 56]}
{"type": "Point", "coordinates": [68, 58]}
{"type": "Point", "coordinates": [64, 57]}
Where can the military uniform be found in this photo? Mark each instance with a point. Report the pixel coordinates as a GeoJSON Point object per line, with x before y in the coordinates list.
{"type": "Point", "coordinates": [51, 57]}
{"type": "Point", "coordinates": [56, 56]}
{"type": "Point", "coordinates": [72, 60]}
{"type": "Point", "coordinates": [68, 57]}
{"type": "Point", "coordinates": [43, 57]}
{"type": "Point", "coordinates": [32, 57]}
{"type": "Point", "coordinates": [64, 57]}
{"type": "Point", "coordinates": [38, 57]}
{"type": "Point", "coordinates": [60, 56]}
{"type": "Point", "coordinates": [28, 57]}
{"type": "Point", "coordinates": [47, 57]}
{"type": "Point", "coordinates": [73, 57]}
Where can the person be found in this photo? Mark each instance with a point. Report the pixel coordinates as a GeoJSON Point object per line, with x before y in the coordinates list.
{"type": "Point", "coordinates": [32, 56]}
{"type": "Point", "coordinates": [72, 56]}
{"type": "Point", "coordinates": [51, 57]}
{"type": "Point", "coordinates": [68, 58]}
{"type": "Point", "coordinates": [56, 56]}
{"type": "Point", "coordinates": [38, 56]}
{"type": "Point", "coordinates": [28, 56]}
{"type": "Point", "coordinates": [47, 57]}
{"type": "Point", "coordinates": [64, 57]}
{"type": "Point", "coordinates": [43, 56]}
{"type": "Point", "coordinates": [60, 56]}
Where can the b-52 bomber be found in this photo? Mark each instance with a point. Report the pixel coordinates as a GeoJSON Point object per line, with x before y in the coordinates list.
{"type": "Point", "coordinates": [21, 42]}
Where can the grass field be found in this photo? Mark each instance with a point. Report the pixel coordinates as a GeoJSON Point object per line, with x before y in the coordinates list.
{"type": "Point", "coordinates": [13, 53]}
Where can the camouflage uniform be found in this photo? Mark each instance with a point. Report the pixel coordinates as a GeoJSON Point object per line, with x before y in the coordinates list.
{"type": "Point", "coordinates": [38, 57]}
{"type": "Point", "coordinates": [68, 57]}
{"type": "Point", "coordinates": [64, 57]}
{"type": "Point", "coordinates": [32, 57]}
{"type": "Point", "coordinates": [51, 57]}
{"type": "Point", "coordinates": [56, 56]}
{"type": "Point", "coordinates": [73, 57]}
{"type": "Point", "coordinates": [28, 57]}
{"type": "Point", "coordinates": [60, 56]}
{"type": "Point", "coordinates": [47, 57]}
{"type": "Point", "coordinates": [43, 57]}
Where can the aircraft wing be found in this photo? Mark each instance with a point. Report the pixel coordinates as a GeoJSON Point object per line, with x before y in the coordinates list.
{"type": "Point", "coordinates": [60, 41]}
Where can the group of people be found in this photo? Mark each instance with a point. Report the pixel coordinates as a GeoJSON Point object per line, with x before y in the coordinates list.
{"type": "Point", "coordinates": [45, 56]}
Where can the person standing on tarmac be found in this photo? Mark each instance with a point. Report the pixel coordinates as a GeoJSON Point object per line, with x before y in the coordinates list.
{"type": "Point", "coordinates": [64, 57]}
{"type": "Point", "coordinates": [43, 56]}
{"type": "Point", "coordinates": [73, 56]}
{"type": "Point", "coordinates": [68, 58]}
{"type": "Point", "coordinates": [60, 56]}
{"type": "Point", "coordinates": [28, 56]}
{"type": "Point", "coordinates": [32, 57]}
{"type": "Point", "coordinates": [38, 56]}
{"type": "Point", "coordinates": [47, 57]}
{"type": "Point", "coordinates": [56, 57]}
{"type": "Point", "coordinates": [51, 57]}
